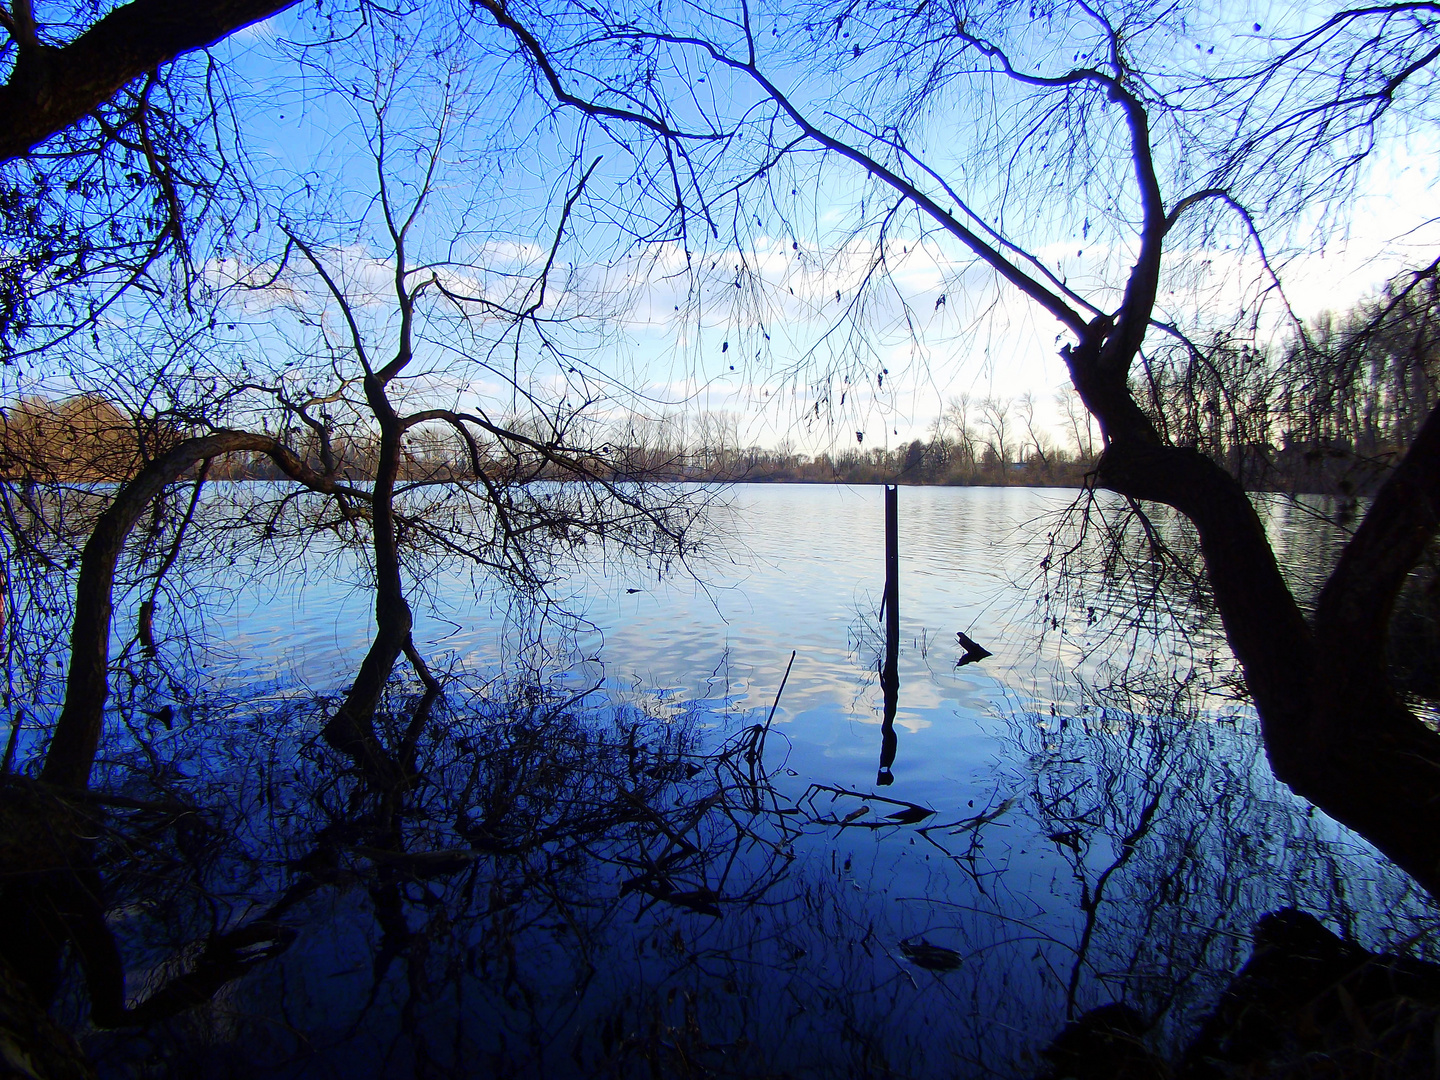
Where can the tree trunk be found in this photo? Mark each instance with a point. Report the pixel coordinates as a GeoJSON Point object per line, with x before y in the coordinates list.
{"type": "Point", "coordinates": [352, 729]}
{"type": "Point", "coordinates": [1334, 729]}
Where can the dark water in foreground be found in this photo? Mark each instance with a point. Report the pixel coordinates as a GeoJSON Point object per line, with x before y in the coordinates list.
{"type": "Point", "coordinates": [616, 862]}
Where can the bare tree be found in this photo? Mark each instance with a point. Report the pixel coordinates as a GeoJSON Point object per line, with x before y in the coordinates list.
{"type": "Point", "coordinates": [455, 320]}
{"type": "Point", "coordinates": [955, 422]}
{"type": "Point", "coordinates": [995, 416]}
{"type": "Point", "coordinates": [1038, 439]}
{"type": "Point", "coordinates": [380, 330]}
{"type": "Point", "coordinates": [1349, 393]}
{"type": "Point", "coordinates": [1081, 425]}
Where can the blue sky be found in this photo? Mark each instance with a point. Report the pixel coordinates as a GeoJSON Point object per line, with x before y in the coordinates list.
{"type": "Point", "coordinates": [775, 313]}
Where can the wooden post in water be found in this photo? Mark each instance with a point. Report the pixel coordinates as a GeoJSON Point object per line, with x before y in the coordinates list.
{"type": "Point", "coordinates": [892, 575]}
{"type": "Point", "coordinates": [890, 671]}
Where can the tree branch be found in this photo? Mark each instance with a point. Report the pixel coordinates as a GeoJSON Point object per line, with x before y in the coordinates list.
{"type": "Point", "coordinates": [77, 733]}
{"type": "Point", "coordinates": [65, 83]}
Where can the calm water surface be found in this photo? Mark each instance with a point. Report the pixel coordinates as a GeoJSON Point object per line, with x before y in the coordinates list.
{"type": "Point", "coordinates": [1083, 817]}
{"type": "Point", "coordinates": [791, 567]}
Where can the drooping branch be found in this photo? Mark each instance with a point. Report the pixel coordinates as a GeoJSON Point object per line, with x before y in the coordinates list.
{"type": "Point", "coordinates": [570, 201]}
{"type": "Point", "coordinates": [749, 68]}
{"type": "Point", "coordinates": [77, 733]}
{"type": "Point", "coordinates": [541, 59]}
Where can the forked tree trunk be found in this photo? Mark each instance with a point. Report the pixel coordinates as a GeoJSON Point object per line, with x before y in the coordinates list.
{"type": "Point", "coordinates": [352, 729]}
{"type": "Point", "coordinates": [1335, 730]}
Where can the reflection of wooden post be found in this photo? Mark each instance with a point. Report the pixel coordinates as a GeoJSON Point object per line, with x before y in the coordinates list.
{"type": "Point", "coordinates": [890, 672]}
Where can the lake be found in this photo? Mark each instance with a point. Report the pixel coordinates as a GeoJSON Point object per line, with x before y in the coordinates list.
{"type": "Point", "coordinates": [629, 852]}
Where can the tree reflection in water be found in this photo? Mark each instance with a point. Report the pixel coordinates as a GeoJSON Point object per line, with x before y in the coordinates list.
{"type": "Point", "coordinates": [1175, 843]}
{"type": "Point", "coordinates": [572, 888]}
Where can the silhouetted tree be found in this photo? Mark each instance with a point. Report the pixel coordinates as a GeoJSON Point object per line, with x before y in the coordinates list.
{"type": "Point", "coordinates": [1082, 119]}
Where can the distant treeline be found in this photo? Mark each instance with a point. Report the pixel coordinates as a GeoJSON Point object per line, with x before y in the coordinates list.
{"type": "Point", "coordinates": [79, 438]}
{"type": "Point", "coordinates": [84, 439]}
{"type": "Point", "coordinates": [1330, 413]}
{"type": "Point", "coordinates": [90, 439]}
{"type": "Point", "coordinates": [937, 460]}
